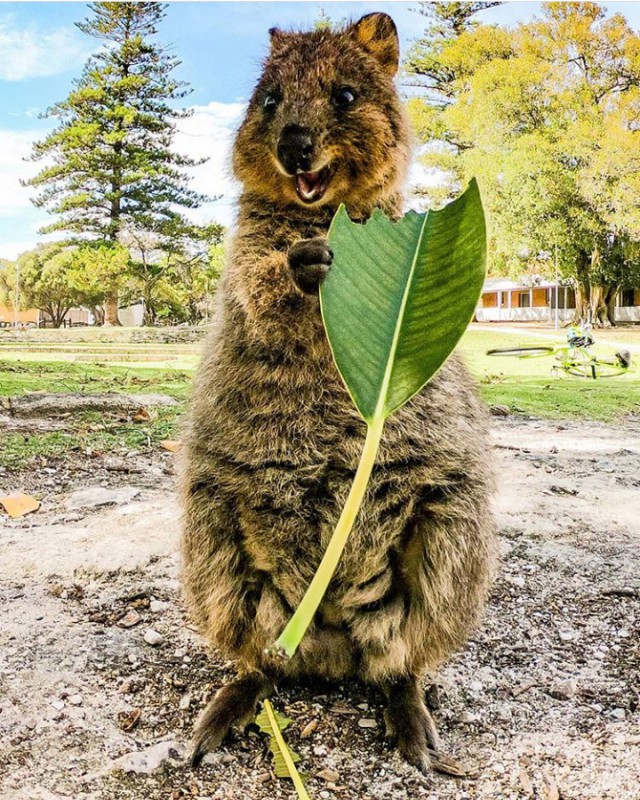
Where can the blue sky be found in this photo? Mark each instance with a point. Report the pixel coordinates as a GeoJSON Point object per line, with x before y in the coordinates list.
{"type": "Point", "coordinates": [221, 45]}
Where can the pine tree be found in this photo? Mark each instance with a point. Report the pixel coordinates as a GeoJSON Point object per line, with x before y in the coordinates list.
{"type": "Point", "coordinates": [113, 164]}
{"type": "Point", "coordinates": [447, 21]}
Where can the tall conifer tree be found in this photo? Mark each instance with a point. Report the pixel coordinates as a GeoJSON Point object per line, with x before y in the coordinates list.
{"type": "Point", "coordinates": [110, 157]}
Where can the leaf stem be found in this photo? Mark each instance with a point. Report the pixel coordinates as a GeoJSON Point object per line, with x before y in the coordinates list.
{"type": "Point", "coordinates": [297, 626]}
{"type": "Point", "coordinates": [286, 755]}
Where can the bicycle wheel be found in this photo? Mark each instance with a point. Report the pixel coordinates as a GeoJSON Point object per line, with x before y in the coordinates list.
{"type": "Point", "coordinates": [599, 368]}
{"type": "Point", "coordinates": [608, 368]}
{"type": "Point", "coordinates": [532, 351]}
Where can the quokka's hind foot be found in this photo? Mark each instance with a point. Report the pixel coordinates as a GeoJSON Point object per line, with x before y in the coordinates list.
{"type": "Point", "coordinates": [412, 729]}
{"type": "Point", "coordinates": [233, 704]}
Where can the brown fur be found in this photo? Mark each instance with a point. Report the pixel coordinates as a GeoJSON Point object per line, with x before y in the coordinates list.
{"type": "Point", "coordinates": [274, 439]}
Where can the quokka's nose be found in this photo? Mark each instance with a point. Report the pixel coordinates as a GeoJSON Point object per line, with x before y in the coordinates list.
{"type": "Point", "coordinates": [295, 149]}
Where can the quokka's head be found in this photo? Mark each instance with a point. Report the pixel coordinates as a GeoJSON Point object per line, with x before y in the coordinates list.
{"type": "Point", "coordinates": [325, 124]}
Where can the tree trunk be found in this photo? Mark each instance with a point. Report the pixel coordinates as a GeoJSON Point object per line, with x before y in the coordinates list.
{"type": "Point", "coordinates": [111, 310]}
{"type": "Point", "coordinates": [610, 300]}
{"type": "Point", "coordinates": [582, 288]}
{"type": "Point", "coordinates": [582, 302]}
{"type": "Point", "coordinates": [98, 315]}
{"type": "Point", "coordinates": [598, 306]}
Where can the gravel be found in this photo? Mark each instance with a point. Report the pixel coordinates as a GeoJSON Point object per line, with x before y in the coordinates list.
{"type": "Point", "coordinates": [543, 702]}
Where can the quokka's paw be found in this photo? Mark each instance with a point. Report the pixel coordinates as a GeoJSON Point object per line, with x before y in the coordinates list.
{"type": "Point", "coordinates": [310, 261]}
{"type": "Point", "coordinates": [233, 705]}
{"type": "Point", "coordinates": [410, 727]}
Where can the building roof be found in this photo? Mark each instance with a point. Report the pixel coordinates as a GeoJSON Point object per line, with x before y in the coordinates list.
{"type": "Point", "coordinates": [506, 285]}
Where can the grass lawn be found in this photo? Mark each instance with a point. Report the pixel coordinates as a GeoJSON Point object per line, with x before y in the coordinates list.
{"type": "Point", "coordinates": [524, 385]}
{"type": "Point", "coordinates": [528, 386]}
{"type": "Point", "coordinates": [90, 432]}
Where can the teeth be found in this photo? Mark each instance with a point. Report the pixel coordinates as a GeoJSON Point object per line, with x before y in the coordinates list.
{"type": "Point", "coordinates": [311, 185]}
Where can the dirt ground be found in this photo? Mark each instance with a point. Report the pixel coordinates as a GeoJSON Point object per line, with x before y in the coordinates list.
{"type": "Point", "coordinates": [101, 676]}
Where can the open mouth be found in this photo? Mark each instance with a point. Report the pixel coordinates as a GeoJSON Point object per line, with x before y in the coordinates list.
{"type": "Point", "coordinates": [311, 186]}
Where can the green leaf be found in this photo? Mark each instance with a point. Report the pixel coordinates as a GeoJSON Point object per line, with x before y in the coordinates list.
{"type": "Point", "coordinates": [396, 302]}
{"type": "Point", "coordinates": [399, 297]}
{"type": "Point", "coordinates": [284, 759]}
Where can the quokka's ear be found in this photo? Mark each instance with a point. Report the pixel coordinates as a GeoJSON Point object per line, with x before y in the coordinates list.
{"type": "Point", "coordinates": [378, 34]}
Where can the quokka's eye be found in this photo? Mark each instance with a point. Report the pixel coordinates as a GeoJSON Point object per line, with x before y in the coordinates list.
{"type": "Point", "coordinates": [271, 100]}
{"type": "Point", "coordinates": [344, 96]}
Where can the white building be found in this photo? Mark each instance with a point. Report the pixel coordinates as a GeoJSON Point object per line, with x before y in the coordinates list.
{"type": "Point", "coordinates": [504, 300]}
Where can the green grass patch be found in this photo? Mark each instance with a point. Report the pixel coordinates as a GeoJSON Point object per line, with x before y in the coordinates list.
{"type": "Point", "coordinates": [524, 385]}
{"type": "Point", "coordinates": [19, 377]}
{"type": "Point", "coordinates": [528, 386]}
{"type": "Point", "coordinates": [90, 433]}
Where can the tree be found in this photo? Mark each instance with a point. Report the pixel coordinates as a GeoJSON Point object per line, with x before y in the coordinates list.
{"type": "Point", "coordinates": [7, 282]}
{"type": "Point", "coordinates": [113, 165]}
{"type": "Point", "coordinates": [44, 281]}
{"type": "Point", "coordinates": [168, 267]}
{"type": "Point", "coordinates": [96, 272]}
{"type": "Point", "coordinates": [546, 116]}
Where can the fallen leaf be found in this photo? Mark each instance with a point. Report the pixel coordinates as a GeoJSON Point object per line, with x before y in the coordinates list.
{"type": "Point", "coordinates": [551, 789]}
{"type": "Point", "coordinates": [328, 775]}
{"type": "Point", "coordinates": [309, 729]}
{"type": "Point", "coordinates": [18, 504]}
{"type": "Point", "coordinates": [127, 720]}
{"type": "Point", "coordinates": [141, 415]}
{"type": "Point", "coordinates": [170, 445]}
{"type": "Point", "coordinates": [525, 782]}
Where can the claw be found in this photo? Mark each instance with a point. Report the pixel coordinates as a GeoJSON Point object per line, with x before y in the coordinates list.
{"type": "Point", "coordinates": [441, 762]}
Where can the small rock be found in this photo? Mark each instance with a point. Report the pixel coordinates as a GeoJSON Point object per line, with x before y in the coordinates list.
{"type": "Point", "coordinates": [363, 706]}
{"type": "Point", "coordinates": [144, 762]}
{"type": "Point", "coordinates": [567, 636]}
{"type": "Point", "coordinates": [467, 718]}
{"type": "Point", "coordinates": [619, 713]}
{"type": "Point", "coordinates": [153, 638]}
{"type": "Point", "coordinates": [367, 723]}
{"type": "Point", "coordinates": [320, 750]}
{"type": "Point", "coordinates": [157, 606]}
{"type": "Point", "coordinates": [309, 729]}
{"type": "Point", "coordinates": [475, 686]}
{"type": "Point", "coordinates": [97, 497]}
{"type": "Point", "coordinates": [58, 704]}
{"type": "Point", "coordinates": [185, 702]}
{"type": "Point", "coordinates": [264, 777]}
{"type": "Point", "coordinates": [500, 411]}
{"type": "Point", "coordinates": [130, 619]}
{"type": "Point", "coordinates": [76, 699]}
{"type": "Point", "coordinates": [504, 713]}
{"type": "Point", "coordinates": [328, 775]}
{"type": "Point", "coordinates": [563, 690]}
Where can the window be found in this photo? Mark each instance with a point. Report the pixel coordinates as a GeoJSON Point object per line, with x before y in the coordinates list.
{"type": "Point", "coordinates": [627, 297]}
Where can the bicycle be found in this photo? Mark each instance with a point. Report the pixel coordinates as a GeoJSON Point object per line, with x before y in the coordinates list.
{"type": "Point", "coordinates": [575, 355]}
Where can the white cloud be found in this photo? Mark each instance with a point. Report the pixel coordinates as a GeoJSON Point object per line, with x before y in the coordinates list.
{"type": "Point", "coordinates": [209, 133]}
{"type": "Point", "coordinates": [15, 146]}
{"type": "Point", "coordinates": [31, 53]}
